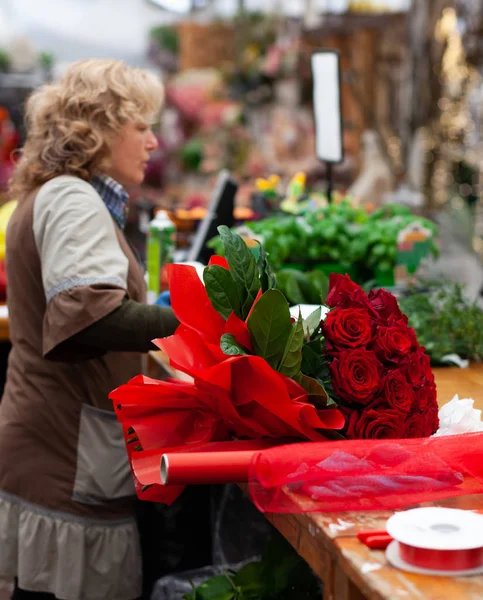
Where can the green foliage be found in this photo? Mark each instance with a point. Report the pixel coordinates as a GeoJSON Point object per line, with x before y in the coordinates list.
{"type": "Point", "coordinates": [292, 356]}
{"type": "Point", "coordinates": [5, 60]}
{"type": "Point", "coordinates": [270, 327]}
{"type": "Point", "coordinates": [273, 335]}
{"type": "Point", "coordinates": [280, 575]}
{"type": "Point", "coordinates": [286, 346]}
{"type": "Point", "coordinates": [192, 154]}
{"type": "Point", "coordinates": [339, 234]}
{"type": "Point", "coordinates": [268, 279]}
{"type": "Point", "coordinates": [166, 38]}
{"type": "Point", "coordinates": [243, 268]}
{"type": "Point", "coordinates": [380, 236]}
{"type": "Point", "coordinates": [303, 288]}
{"type": "Point", "coordinates": [46, 60]}
{"type": "Point", "coordinates": [222, 291]}
{"type": "Point", "coordinates": [230, 346]}
{"type": "Point", "coordinates": [445, 321]}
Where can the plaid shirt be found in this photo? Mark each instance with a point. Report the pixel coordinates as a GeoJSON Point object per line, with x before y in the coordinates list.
{"type": "Point", "coordinates": [115, 197]}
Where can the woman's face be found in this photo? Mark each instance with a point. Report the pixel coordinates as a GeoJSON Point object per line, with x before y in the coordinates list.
{"type": "Point", "coordinates": [130, 152]}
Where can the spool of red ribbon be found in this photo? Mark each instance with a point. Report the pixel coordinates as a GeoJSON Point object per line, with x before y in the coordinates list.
{"type": "Point", "coordinates": [442, 560]}
{"type": "Point", "coordinates": [435, 539]}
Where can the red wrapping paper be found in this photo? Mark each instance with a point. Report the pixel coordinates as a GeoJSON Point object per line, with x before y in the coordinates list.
{"type": "Point", "coordinates": [366, 474]}
{"type": "Point", "coordinates": [223, 462]}
{"type": "Point", "coordinates": [242, 396]}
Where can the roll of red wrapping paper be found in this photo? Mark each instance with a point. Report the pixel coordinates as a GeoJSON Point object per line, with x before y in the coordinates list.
{"type": "Point", "coordinates": [440, 539]}
{"type": "Point", "coordinates": [225, 466]}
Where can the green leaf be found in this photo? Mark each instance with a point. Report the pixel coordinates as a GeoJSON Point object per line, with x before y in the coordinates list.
{"type": "Point", "coordinates": [243, 268]}
{"type": "Point", "coordinates": [222, 291]}
{"type": "Point", "coordinates": [250, 576]}
{"type": "Point", "coordinates": [270, 326]}
{"type": "Point", "coordinates": [300, 289]}
{"type": "Point", "coordinates": [230, 346]}
{"type": "Point", "coordinates": [316, 391]}
{"type": "Point", "coordinates": [320, 281]}
{"type": "Point", "coordinates": [268, 280]}
{"type": "Point", "coordinates": [216, 588]}
{"type": "Point", "coordinates": [312, 359]}
{"type": "Point", "coordinates": [294, 291]}
{"type": "Point", "coordinates": [312, 322]}
{"type": "Point", "coordinates": [331, 434]}
{"type": "Point", "coordinates": [292, 356]}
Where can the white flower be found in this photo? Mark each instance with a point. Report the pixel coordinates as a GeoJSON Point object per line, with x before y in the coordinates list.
{"type": "Point", "coordinates": [459, 416]}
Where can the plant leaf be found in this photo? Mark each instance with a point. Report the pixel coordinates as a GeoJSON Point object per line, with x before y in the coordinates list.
{"type": "Point", "coordinates": [250, 577]}
{"type": "Point", "coordinates": [312, 359]}
{"type": "Point", "coordinates": [222, 291]}
{"type": "Point", "coordinates": [320, 281]}
{"type": "Point", "coordinates": [312, 322]}
{"type": "Point", "coordinates": [317, 394]}
{"type": "Point", "coordinates": [270, 326]}
{"type": "Point", "coordinates": [331, 434]}
{"type": "Point", "coordinates": [292, 356]}
{"type": "Point", "coordinates": [230, 346]}
{"type": "Point", "coordinates": [268, 280]}
{"type": "Point", "coordinates": [243, 268]}
{"type": "Point", "coordinates": [216, 588]}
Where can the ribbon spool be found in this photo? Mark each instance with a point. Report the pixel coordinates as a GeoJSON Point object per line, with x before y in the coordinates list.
{"type": "Point", "coordinates": [436, 541]}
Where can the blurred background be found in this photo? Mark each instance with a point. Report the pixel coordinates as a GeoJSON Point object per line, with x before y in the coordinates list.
{"type": "Point", "coordinates": [239, 97]}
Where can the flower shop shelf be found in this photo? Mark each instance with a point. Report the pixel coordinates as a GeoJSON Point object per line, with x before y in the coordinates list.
{"type": "Point", "coordinates": [328, 541]}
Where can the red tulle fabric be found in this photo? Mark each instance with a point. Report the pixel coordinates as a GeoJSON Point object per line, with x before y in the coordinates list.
{"type": "Point", "coordinates": [366, 474]}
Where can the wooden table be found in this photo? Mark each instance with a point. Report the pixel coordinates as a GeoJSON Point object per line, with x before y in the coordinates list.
{"type": "Point", "coordinates": [348, 569]}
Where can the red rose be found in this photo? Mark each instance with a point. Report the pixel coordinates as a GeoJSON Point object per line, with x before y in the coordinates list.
{"type": "Point", "coordinates": [356, 375]}
{"type": "Point", "coordinates": [348, 327]}
{"type": "Point", "coordinates": [340, 288]}
{"type": "Point", "coordinates": [414, 427]}
{"type": "Point", "coordinates": [397, 392]}
{"type": "Point", "coordinates": [344, 293]}
{"type": "Point", "coordinates": [431, 420]}
{"type": "Point", "coordinates": [379, 421]}
{"type": "Point", "coordinates": [426, 396]}
{"type": "Point", "coordinates": [386, 305]}
{"type": "Point", "coordinates": [417, 368]}
{"type": "Point", "coordinates": [393, 342]}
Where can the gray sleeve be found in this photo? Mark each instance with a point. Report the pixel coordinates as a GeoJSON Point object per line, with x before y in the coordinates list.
{"type": "Point", "coordinates": [76, 238]}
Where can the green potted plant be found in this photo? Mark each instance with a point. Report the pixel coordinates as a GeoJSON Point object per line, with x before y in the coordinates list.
{"type": "Point", "coordinates": [4, 61]}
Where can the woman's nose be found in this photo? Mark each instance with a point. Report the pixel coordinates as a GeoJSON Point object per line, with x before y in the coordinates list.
{"type": "Point", "coordinates": [152, 142]}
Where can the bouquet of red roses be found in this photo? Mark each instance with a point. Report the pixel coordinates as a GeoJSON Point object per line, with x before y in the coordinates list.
{"type": "Point", "coordinates": [258, 373]}
{"type": "Point", "coordinates": [378, 373]}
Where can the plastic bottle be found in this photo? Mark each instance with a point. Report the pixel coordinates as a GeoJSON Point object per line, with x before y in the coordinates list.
{"type": "Point", "coordinates": [160, 246]}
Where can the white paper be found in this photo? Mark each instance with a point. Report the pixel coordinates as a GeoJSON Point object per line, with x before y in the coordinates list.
{"type": "Point", "coordinates": [306, 310]}
{"type": "Point", "coordinates": [459, 416]}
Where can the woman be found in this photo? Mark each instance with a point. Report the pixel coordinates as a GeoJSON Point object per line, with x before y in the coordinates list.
{"type": "Point", "coordinates": [77, 325]}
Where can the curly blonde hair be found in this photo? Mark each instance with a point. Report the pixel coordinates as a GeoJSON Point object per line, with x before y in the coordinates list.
{"type": "Point", "coordinates": [71, 123]}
